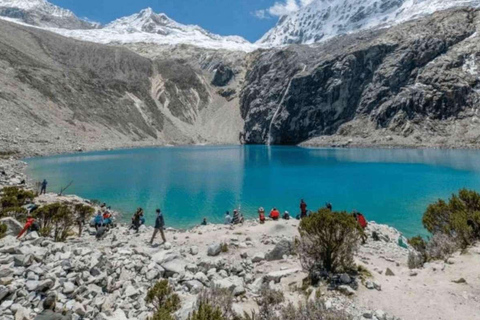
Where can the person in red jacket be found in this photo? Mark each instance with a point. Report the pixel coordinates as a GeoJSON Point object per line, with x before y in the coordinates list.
{"type": "Point", "coordinates": [274, 214]}
{"type": "Point", "coordinates": [303, 209]}
{"type": "Point", "coordinates": [29, 226]}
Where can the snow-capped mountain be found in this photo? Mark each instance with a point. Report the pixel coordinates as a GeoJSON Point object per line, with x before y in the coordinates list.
{"type": "Point", "coordinates": [324, 19]}
{"type": "Point", "coordinates": [42, 13]}
{"type": "Point", "coordinates": [150, 27]}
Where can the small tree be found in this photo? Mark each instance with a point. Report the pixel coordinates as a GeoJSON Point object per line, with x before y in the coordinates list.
{"type": "Point", "coordinates": [328, 241]}
{"type": "Point", "coordinates": [83, 213]}
{"type": "Point", "coordinates": [12, 200]}
{"type": "Point", "coordinates": [55, 217]}
{"type": "Point", "coordinates": [164, 300]}
{"type": "Point", "coordinates": [459, 218]}
{"type": "Point", "coordinates": [3, 230]}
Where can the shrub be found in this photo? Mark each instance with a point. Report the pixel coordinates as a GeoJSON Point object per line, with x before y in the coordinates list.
{"type": "Point", "coordinates": [441, 246]}
{"type": "Point", "coordinates": [3, 230]}
{"type": "Point", "coordinates": [418, 243]}
{"type": "Point", "coordinates": [224, 247]}
{"type": "Point", "coordinates": [311, 309]}
{"type": "Point", "coordinates": [459, 218]}
{"type": "Point", "coordinates": [55, 217]}
{"type": "Point", "coordinates": [328, 241]}
{"type": "Point", "coordinates": [163, 299]}
{"type": "Point", "coordinates": [415, 260]}
{"type": "Point", "coordinates": [13, 199]}
{"type": "Point", "coordinates": [214, 303]}
{"type": "Point", "coordinates": [207, 311]}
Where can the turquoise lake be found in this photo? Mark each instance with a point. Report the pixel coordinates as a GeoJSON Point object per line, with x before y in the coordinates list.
{"type": "Point", "coordinates": [392, 186]}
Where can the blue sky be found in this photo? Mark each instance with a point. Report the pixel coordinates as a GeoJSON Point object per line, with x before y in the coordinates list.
{"type": "Point", "coordinates": [247, 18]}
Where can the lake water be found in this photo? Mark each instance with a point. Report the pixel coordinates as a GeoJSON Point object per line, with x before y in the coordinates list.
{"type": "Point", "coordinates": [189, 183]}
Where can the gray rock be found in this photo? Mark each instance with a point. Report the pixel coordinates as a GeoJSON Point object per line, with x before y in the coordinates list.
{"type": "Point", "coordinates": [194, 250]}
{"type": "Point", "coordinates": [13, 226]}
{"type": "Point", "coordinates": [389, 272]}
{"type": "Point", "coordinates": [282, 248]}
{"type": "Point", "coordinates": [6, 272]}
{"type": "Point", "coordinates": [174, 267]}
{"type": "Point", "coordinates": [3, 292]}
{"type": "Point", "coordinates": [258, 257]}
{"type": "Point", "coordinates": [346, 290]}
{"type": "Point", "coordinates": [68, 287]}
{"type": "Point", "coordinates": [345, 278]}
{"type": "Point", "coordinates": [214, 249]}
{"type": "Point", "coordinates": [194, 286]}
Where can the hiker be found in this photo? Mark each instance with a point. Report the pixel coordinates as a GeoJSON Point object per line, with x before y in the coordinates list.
{"type": "Point", "coordinates": [98, 221]}
{"type": "Point", "coordinates": [274, 214]}
{"type": "Point", "coordinates": [100, 232]}
{"type": "Point", "coordinates": [30, 226]}
{"type": "Point", "coordinates": [237, 217]}
{"type": "Point", "coordinates": [261, 215]}
{"type": "Point", "coordinates": [49, 313]}
{"type": "Point", "coordinates": [328, 205]}
{"type": "Point", "coordinates": [43, 190]}
{"type": "Point", "coordinates": [136, 219]}
{"type": "Point", "coordinates": [228, 218]}
{"type": "Point", "coordinates": [303, 209]}
{"type": "Point", "coordinates": [363, 224]}
{"type": "Point", "coordinates": [107, 219]}
{"type": "Point", "coordinates": [204, 222]}
{"type": "Point", "coordinates": [159, 225]}
{"type": "Point", "coordinates": [286, 215]}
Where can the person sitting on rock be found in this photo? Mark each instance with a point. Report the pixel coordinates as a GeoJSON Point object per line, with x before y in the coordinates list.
{"type": "Point", "coordinates": [228, 218]}
{"type": "Point", "coordinates": [286, 215]}
{"type": "Point", "coordinates": [274, 214]}
{"type": "Point", "coordinates": [303, 209]}
{"type": "Point", "coordinates": [204, 222]}
{"type": "Point", "coordinates": [107, 219]}
{"type": "Point", "coordinates": [49, 313]}
{"type": "Point", "coordinates": [159, 225]}
{"type": "Point", "coordinates": [136, 219]}
{"type": "Point", "coordinates": [237, 218]}
{"type": "Point", "coordinates": [98, 220]}
{"type": "Point", "coordinates": [261, 215]}
{"type": "Point", "coordinates": [30, 226]}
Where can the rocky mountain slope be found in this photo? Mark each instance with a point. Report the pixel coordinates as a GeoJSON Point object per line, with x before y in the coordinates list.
{"type": "Point", "coordinates": [324, 19]}
{"type": "Point", "coordinates": [42, 13]}
{"type": "Point", "coordinates": [417, 82]}
{"type": "Point", "coordinates": [65, 94]}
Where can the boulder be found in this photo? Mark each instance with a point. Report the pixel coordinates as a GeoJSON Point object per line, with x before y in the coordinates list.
{"type": "Point", "coordinates": [6, 272]}
{"type": "Point", "coordinates": [389, 272]}
{"type": "Point", "coordinates": [194, 250]}
{"type": "Point", "coordinates": [174, 266]}
{"type": "Point", "coordinates": [13, 226]}
{"type": "Point", "coordinates": [68, 287]}
{"type": "Point", "coordinates": [194, 286]}
{"type": "Point", "coordinates": [346, 290]}
{"type": "Point", "coordinates": [234, 284]}
{"type": "Point", "coordinates": [276, 276]}
{"type": "Point", "coordinates": [282, 248]}
{"type": "Point", "coordinates": [214, 249]}
{"type": "Point", "coordinates": [258, 257]}
{"type": "Point", "coordinates": [3, 292]}
{"type": "Point", "coordinates": [345, 278]}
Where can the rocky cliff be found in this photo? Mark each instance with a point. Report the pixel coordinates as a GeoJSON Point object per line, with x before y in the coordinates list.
{"type": "Point", "coordinates": [415, 81]}
{"type": "Point", "coordinates": [415, 84]}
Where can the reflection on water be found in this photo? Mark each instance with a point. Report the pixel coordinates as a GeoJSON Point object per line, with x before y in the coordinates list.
{"type": "Point", "coordinates": [189, 183]}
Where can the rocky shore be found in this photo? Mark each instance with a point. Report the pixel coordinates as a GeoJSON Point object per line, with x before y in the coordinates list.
{"type": "Point", "coordinates": [109, 278]}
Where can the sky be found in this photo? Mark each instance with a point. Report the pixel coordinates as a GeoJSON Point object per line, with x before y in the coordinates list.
{"type": "Point", "coordinates": [250, 19]}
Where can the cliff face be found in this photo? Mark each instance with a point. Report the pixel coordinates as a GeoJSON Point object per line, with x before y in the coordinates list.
{"type": "Point", "coordinates": [413, 84]}
{"type": "Point", "coordinates": [396, 79]}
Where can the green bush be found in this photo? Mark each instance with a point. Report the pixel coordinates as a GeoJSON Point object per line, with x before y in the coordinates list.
{"type": "Point", "coordinates": [328, 241]}
{"type": "Point", "coordinates": [206, 311]}
{"type": "Point", "coordinates": [458, 218]}
{"type": "Point", "coordinates": [214, 303]}
{"type": "Point", "coordinates": [56, 217]}
{"type": "Point", "coordinates": [12, 200]}
{"type": "Point", "coordinates": [164, 300]}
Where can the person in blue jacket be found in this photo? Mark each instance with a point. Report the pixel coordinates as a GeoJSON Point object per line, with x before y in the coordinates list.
{"type": "Point", "coordinates": [98, 220]}
{"type": "Point", "coordinates": [159, 225]}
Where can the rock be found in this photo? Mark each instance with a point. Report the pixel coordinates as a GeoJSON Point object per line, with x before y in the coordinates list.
{"type": "Point", "coordinates": [380, 315]}
{"type": "Point", "coordinates": [234, 284]}
{"type": "Point", "coordinates": [345, 278]}
{"type": "Point", "coordinates": [194, 250]}
{"type": "Point", "coordinates": [258, 257]}
{"type": "Point", "coordinates": [6, 272]}
{"type": "Point", "coordinates": [152, 274]}
{"type": "Point", "coordinates": [214, 249]}
{"type": "Point", "coordinates": [369, 285]}
{"type": "Point", "coordinates": [13, 226]}
{"type": "Point", "coordinates": [79, 309]}
{"type": "Point", "coordinates": [283, 248]}
{"type": "Point", "coordinates": [389, 272]}
{"type": "Point", "coordinates": [461, 280]}
{"type": "Point", "coordinates": [346, 290]}
{"type": "Point", "coordinates": [45, 285]}
{"type": "Point", "coordinates": [173, 267]}
{"type": "Point", "coordinates": [368, 314]}
{"type": "Point", "coordinates": [131, 291]}
{"type": "Point", "coordinates": [32, 236]}
{"type": "Point", "coordinates": [167, 246]}
{"type": "Point", "coordinates": [223, 75]}
{"type": "Point", "coordinates": [68, 287]}
{"type": "Point", "coordinates": [202, 277]}
{"type": "Point", "coordinates": [142, 229]}
{"type": "Point", "coordinates": [276, 276]}
{"type": "Point", "coordinates": [3, 292]}
{"type": "Point", "coordinates": [31, 285]}
{"type": "Point", "coordinates": [22, 260]}
{"type": "Point", "coordinates": [194, 286]}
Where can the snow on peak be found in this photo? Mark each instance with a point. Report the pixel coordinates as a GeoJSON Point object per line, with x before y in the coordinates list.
{"type": "Point", "coordinates": [43, 14]}
{"type": "Point", "coordinates": [323, 19]}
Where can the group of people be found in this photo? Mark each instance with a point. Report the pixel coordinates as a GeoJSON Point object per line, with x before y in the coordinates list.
{"type": "Point", "coordinates": [236, 219]}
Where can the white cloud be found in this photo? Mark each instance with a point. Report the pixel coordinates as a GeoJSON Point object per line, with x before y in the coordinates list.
{"type": "Point", "coordinates": [281, 8]}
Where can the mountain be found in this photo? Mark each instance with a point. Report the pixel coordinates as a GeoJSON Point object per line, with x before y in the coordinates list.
{"type": "Point", "coordinates": [41, 13]}
{"type": "Point", "coordinates": [324, 19]}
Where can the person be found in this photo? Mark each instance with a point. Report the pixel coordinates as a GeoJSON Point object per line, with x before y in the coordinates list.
{"type": "Point", "coordinates": [49, 313]}
{"type": "Point", "coordinates": [107, 219]}
{"type": "Point", "coordinates": [274, 214]}
{"type": "Point", "coordinates": [286, 215]}
{"type": "Point", "coordinates": [362, 222]}
{"type": "Point", "coordinates": [159, 225]}
{"type": "Point", "coordinates": [328, 205]}
{"type": "Point", "coordinates": [30, 226]}
{"type": "Point", "coordinates": [43, 190]}
{"type": "Point", "coordinates": [261, 215]}
{"type": "Point", "coordinates": [237, 218]}
{"type": "Point", "coordinates": [204, 222]}
{"type": "Point", "coordinates": [228, 218]}
{"type": "Point", "coordinates": [136, 219]}
{"type": "Point", "coordinates": [303, 209]}
{"type": "Point", "coordinates": [101, 231]}
{"type": "Point", "coordinates": [98, 221]}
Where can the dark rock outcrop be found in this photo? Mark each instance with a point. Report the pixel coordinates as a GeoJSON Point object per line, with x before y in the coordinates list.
{"type": "Point", "coordinates": [223, 75]}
